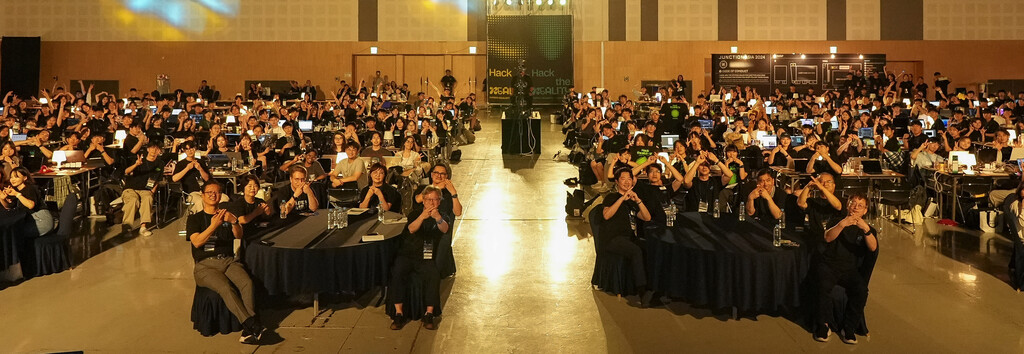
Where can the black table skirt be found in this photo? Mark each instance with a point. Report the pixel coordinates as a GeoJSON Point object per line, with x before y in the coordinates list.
{"type": "Point", "coordinates": [10, 223]}
{"type": "Point", "coordinates": [724, 263]}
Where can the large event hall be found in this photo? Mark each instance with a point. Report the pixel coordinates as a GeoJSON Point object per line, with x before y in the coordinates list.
{"type": "Point", "coordinates": [511, 176]}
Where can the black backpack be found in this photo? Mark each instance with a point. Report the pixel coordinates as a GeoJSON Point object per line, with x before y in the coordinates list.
{"type": "Point", "coordinates": [456, 156]}
{"type": "Point", "coordinates": [587, 176]}
{"type": "Point", "coordinates": [575, 203]}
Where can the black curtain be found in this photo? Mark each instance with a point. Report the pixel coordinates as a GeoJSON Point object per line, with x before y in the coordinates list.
{"type": "Point", "coordinates": [19, 66]}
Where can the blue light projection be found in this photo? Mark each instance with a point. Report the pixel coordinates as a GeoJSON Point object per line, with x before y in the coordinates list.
{"type": "Point", "coordinates": [187, 15]}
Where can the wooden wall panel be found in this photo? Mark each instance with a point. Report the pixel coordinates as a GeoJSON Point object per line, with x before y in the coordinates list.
{"type": "Point", "coordinates": [366, 67]}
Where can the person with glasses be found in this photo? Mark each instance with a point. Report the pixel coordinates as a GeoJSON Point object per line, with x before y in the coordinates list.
{"type": "Point", "coordinates": [212, 232]}
{"type": "Point", "coordinates": [191, 173]}
{"type": "Point", "coordinates": [440, 178]}
{"type": "Point", "coordinates": [380, 193]}
{"type": "Point", "coordinates": [427, 224]}
{"type": "Point", "coordinates": [821, 209]}
{"type": "Point", "coordinates": [298, 197]}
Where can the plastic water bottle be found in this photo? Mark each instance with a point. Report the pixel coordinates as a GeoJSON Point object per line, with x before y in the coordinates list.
{"type": "Point", "coordinates": [380, 214]}
{"type": "Point", "coordinates": [632, 223]}
{"type": "Point", "coordinates": [670, 215]}
{"type": "Point", "coordinates": [782, 219]}
{"type": "Point", "coordinates": [743, 211]}
{"type": "Point", "coordinates": [777, 235]}
{"type": "Point", "coordinates": [343, 218]}
{"type": "Point", "coordinates": [716, 213]}
{"type": "Point", "coordinates": [330, 218]}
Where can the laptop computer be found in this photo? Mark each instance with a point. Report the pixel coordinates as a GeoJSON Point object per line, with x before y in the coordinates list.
{"type": "Point", "coordinates": [872, 166]}
{"type": "Point", "coordinates": [799, 165]}
{"type": "Point", "coordinates": [219, 161]}
{"type": "Point", "coordinates": [668, 140]}
{"type": "Point", "coordinates": [19, 137]}
{"type": "Point", "coordinates": [306, 126]}
{"type": "Point", "coordinates": [796, 140]}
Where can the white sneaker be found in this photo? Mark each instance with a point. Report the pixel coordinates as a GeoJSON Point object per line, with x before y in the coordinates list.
{"type": "Point", "coordinates": [144, 232]}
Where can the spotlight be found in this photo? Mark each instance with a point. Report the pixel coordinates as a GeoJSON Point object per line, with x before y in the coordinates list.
{"type": "Point", "coordinates": [733, 50]}
{"type": "Point", "coordinates": [539, 2]}
{"type": "Point", "coordinates": [803, 56]}
{"type": "Point", "coordinates": [561, 2]}
{"type": "Point", "coordinates": [833, 56]}
{"type": "Point", "coordinates": [833, 49]}
{"type": "Point", "coordinates": [472, 50]}
{"type": "Point", "coordinates": [508, 2]}
{"type": "Point", "coordinates": [861, 56]}
{"type": "Point", "coordinates": [373, 50]}
{"type": "Point", "coordinates": [551, 2]}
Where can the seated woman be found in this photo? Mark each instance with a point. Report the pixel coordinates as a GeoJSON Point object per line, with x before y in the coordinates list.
{"type": "Point", "coordinates": [22, 196]}
{"type": "Point", "coordinates": [426, 226]}
{"type": "Point", "coordinates": [348, 171]}
{"type": "Point", "coordinates": [618, 237]}
{"type": "Point", "coordinates": [704, 189]}
{"type": "Point", "coordinates": [849, 239]}
{"type": "Point", "coordinates": [249, 209]}
{"type": "Point", "coordinates": [411, 163]}
{"type": "Point", "coordinates": [9, 159]}
{"type": "Point", "coordinates": [219, 146]}
{"type": "Point", "coordinates": [380, 193]}
{"type": "Point", "coordinates": [252, 151]}
{"type": "Point", "coordinates": [781, 154]}
{"type": "Point", "coordinates": [822, 160]}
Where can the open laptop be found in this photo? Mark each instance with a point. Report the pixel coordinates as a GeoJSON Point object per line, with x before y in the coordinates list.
{"type": "Point", "coordinates": [799, 165]}
{"type": "Point", "coordinates": [871, 166]}
{"type": "Point", "coordinates": [19, 137]}
{"type": "Point", "coordinates": [668, 140]}
{"type": "Point", "coordinates": [796, 140]}
{"type": "Point", "coordinates": [768, 142]}
{"type": "Point", "coordinates": [306, 126]}
{"type": "Point", "coordinates": [219, 161]}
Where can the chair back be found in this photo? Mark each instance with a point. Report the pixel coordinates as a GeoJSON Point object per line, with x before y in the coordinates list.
{"type": "Point", "coordinates": [67, 215]}
{"type": "Point", "coordinates": [596, 219]}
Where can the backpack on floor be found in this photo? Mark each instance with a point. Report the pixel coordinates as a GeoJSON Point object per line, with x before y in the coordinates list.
{"type": "Point", "coordinates": [587, 176]}
{"type": "Point", "coordinates": [468, 136]}
{"type": "Point", "coordinates": [575, 203]}
{"type": "Point", "coordinates": [456, 156]}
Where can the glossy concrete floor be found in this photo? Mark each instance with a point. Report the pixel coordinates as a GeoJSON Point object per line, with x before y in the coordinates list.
{"type": "Point", "coordinates": [523, 286]}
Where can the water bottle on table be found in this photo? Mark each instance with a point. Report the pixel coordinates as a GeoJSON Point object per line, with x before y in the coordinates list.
{"type": "Point", "coordinates": [777, 235]}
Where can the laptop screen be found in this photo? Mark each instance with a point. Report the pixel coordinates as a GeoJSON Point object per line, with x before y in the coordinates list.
{"type": "Point", "coordinates": [306, 125]}
{"type": "Point", "coordinates": [668, 140]}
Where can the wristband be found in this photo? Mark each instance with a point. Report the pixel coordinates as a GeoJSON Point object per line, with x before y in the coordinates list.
{"type": "Point", "coordinates": [455, 196]}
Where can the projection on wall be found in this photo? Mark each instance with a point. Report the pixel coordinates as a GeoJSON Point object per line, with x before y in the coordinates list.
{"type": "Point", "coordinates": [185, 15]}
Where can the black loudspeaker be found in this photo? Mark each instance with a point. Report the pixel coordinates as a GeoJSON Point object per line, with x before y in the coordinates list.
{"type": "Point", "coordinates": [19, 66]}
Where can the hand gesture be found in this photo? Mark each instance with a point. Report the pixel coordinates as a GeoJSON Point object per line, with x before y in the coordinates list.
{"type": "Point", "coordinates": [218, 217]}
{"type": "Point", "coordinates": [702, 157]}
{"type": "Point", "coordinates": [427, 211]}
{"type": "Point", "coordinates": [814, 182]}
{"type": "Point", "coordinates": [449, 186]}
{"type": "Point", "coordinates": [138, 161]}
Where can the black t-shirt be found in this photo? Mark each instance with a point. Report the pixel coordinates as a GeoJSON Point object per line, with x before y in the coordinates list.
{"type": "Point", "coordinates": [193, 180]}
{"type": "Point", "coordinates": [30, 192]}
{"type": "Point", "coordinates": [841, 254]}
{"type": "Point", "coordinates": [915, 141]}
{"type": "Point", "coordinates": [761, 209]}
{"type": "Point", "coordinates": [130, 142]}
{"type": "Point", "coordinates": [144, 173]}
{"type": "Point", "coordinates": [892, 144]}
{"type": "Point", "coordinates": [240, 207]}
{"type": "Point", "coordinates": [991, 127]}
{"type": "Point", "coordinates": [818, 211]}
{"type": "Point", "coordinates": [702, 191]}
{"type": "Point", "coordinates": [618, 225]}
{"type": "Point", "coordinates": [391, 195]}
{"type": "Point", "coordinates": [414, 242]}
{"type": "Point", "coordinates": [614, 144]}
{"type": "Point", "coordinates": [220, 243]}
{"type": "Point", "coordinates": [656, 198]}
{"type": "Point", "coordinates": [447, 203]}
{"type": "Point", "coordinates": [285, 193]}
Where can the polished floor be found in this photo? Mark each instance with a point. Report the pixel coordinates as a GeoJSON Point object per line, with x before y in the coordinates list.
{"type": "Point", "coordinates": [523, 286]}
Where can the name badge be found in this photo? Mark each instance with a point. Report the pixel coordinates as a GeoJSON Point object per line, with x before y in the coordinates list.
{"type": "Point", "coordinates": [702, 207]}
{"type": "Point", "coordinates": [150, 183]}
{"type": "Point", "coordinates": [428, 250]}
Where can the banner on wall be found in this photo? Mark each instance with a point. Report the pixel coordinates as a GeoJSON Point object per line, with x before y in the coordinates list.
{"type": "Point", "coordinates": [544, 42]}
{"type": "Point", "coordinates": [767, 72]}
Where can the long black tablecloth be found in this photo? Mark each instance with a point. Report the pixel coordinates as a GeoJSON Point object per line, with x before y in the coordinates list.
{"type": "Point", "coordinates": [725, 263]}
{"type": "Point", "coordinates": [307, 258]}
{"type": "Point", "coordinates": [11, 223]}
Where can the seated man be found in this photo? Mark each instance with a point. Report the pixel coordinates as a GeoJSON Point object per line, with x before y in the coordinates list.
{"type": "Point", "coordinates": [211, 232]}
{"type": "Point", "coordinates": [298, 197]}
{"type": "Point", "coordinates": [250, 210]}
{"type": "Point", "coordinates": [380, 193]}
{"type": "Point", "coordinates": [659, 191]}
{"type": "Point", "coordinates": [141, 181]}
{"type": "Point", "coordinates": [822, 161]}
{"type": "Point", "coordinates": [619, 237]}
{"type": "Point", "coordinates": [308, 160]}
{"type": "Point", "coordinates": [192, 173]}
{"type": "Point", "coordinates": [924, 156]}
{"type": "Point", "coordinates": [703, 190]}
{"type": "Point", "coordinates": [849, 239]}
{"type": "Point", "coordinates": [764, 201]}
{"type": "Point", "coordinates": [348, 171]}
{"type": "Point", "coordinates": [820, 210]}
{"type": "Point", "coordinates": [416, 254]}
{"type": "Point", "coordinates": [97, 150]}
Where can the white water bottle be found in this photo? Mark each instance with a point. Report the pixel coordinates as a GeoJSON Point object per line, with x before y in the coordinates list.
{"type": "Point", "coordinates": [743, 211]}
{"type": "Point", "coordinates": [777, 235]}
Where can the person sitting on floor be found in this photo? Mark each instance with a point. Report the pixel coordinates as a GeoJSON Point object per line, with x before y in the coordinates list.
{"type": "Point", "coordinates": [415, 255]}
{"type": "Point", "coordinates": [211, 233]}
{"type": "Point", "coordinates": [845, 242]}
{"type": "Point", "coordinates": [619, 207]}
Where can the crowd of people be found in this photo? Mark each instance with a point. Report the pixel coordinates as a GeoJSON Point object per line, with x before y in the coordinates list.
{"type": "Point", "coordinates": [385, 143]}
{"type": "Point", "coordinates": [658, 152]}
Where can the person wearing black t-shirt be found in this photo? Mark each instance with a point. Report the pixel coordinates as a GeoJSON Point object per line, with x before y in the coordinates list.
{"type": "Point", "coordinates": [191, 173]}
{"type": "Point", "coordinates": [380, 193]}
{"type": "Point", "coordinates": [427, 224]}
{"type": "Point", "coordinates": [659, 191]}
{"type": "Point", "coordinates": [916, 137]}
{"type": "Point", "coordinates": [448, 81]}
{"type": "Point", "coordinates": [251, 211]}
{"type": "Point", "coordinates": [298, 197]}
{"type": "Point", "coordinates": [848, 240]}
{"type": "Point", "coordinates": [212, 232]}
{"type": "Point", "coordinates": [766, 200]}
{"type": "Point", "coordinates": [822, 160]}
{"type": "Point", "coordinates": [141, 181]}
{"type": "Point", "coordinates": [821, 210]}
{"type": "Point", "coordinates": [704, 189]}
{"type": "Point", "coordinates": [97, 150]}
{"type": "Point", "coordinates": [619, 236]}
{"type": "Point", "coordinates": [135, 140]}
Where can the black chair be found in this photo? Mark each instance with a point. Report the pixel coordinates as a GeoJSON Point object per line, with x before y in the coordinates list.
{"type": "Point", "coordinates": [897, 195]}
{"type": "Point", "coordinates": [848, 187]}
{"type": "Point", "coordinates": [611, 273]}
{"type": "Point", "coordinates": [210, 315]}
{"type": "Point", "coordinates": [53, 251]}
{"type": "Point", "coordinates": [415, 304]}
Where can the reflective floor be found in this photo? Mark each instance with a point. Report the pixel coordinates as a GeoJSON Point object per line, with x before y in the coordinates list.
{"type": "Point", "coordinates": [523, 286]}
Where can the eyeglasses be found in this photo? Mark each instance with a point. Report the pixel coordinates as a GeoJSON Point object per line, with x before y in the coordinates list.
{"type": "Point", "coordinates": [212, 192]}
{"type": "Point", "coordinates": [440, 173]}
{"type": "Point", "coordinates": [432, 199]}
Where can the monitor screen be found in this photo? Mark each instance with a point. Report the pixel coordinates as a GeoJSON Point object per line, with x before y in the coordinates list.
{"type": "Point", "coordinates": [807, 122]}
{"type": "Point", "coordinates": [768, 142]}
{"type": "Point", "coordinates": [306, 125]}
{"type": "Point", "coordinates": [230, 120]}
{"type": "Point", "coordinates": [706, 123]}
{"type": "Point", "coordinates": [176, 111]}
{"type": "Point", "coordinates": [930, 133]}
{"type": "Point", "coordinates": [797, 140]}
{"type": "Point", "coordinates": [668, 140]}
{"type": "Point", "coordinates": [770, 110]}
{"type": "Point", "coordinates": [867, 133]}
{"type": "Point", "coordinates": [196, 117]}
{"type": "Point", "coordinates": [19, 137]}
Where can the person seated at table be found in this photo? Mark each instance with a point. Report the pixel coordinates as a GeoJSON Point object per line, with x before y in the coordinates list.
{"type": "Point", "coordinates": [219, 145]}
{"type": "Point", "coordinates": [849, 146]}
{"type": "Point", "coordinates": [659, 190]}
{"type": "Point", "coordinates": [97, 150]}
{"type": "Point", "coordinates": [9, 158]}
{"type": "Point", "coordinates": [309, 160]}
{"type": "Point", "coordinates": [822, 160]}
{"type": "Point", "coordinates": [252, 151]}
{"type": "Point", "coordinates": [623, 159]}
{"type": "Point", "coordinates": [924, 156]}
{"type": "Point", "coordinates": [250, 209]}
{"type": "Point", "coordinates": [191, 173]}
{"type": "Point", "coordinates": [1001, 144]}
{"type": "Point", "coordinates": [290, 143]}
{"type": "Point", "coordinates": [298, 197]}
{"type": "Point", "coordinates": [765, 201]}
{"type": "Point", "coordinates": [846, 241]}
{"type": "Point", "coordinates": [703, 190]}
{"type": "Point", "coordinates": [347, 172]}
{"type": "Point", "coordinates": [410, 162]}
{"type": "Point", "coordinates": [212, 232]}
{"type": "Point", "coordinates": [781, 154]}
{"type": "Point", "coordinates": [22, 196]}
{"type": "Point", "coordinates": [440, 177]}
{"type": "Point", "coordinates": [74, 142]}
{"type": "Point", "coordinates": [377, 192]}
{"type": "Point", "coordinates": [136, 139]}
{"type": "Point", "coordinates": [376, 150]}
{"type": "Point", "coordinates": [427, 224]}
{"type": "Point", "coordinates": [618, 236]}
{"type": "Point", "coordinates": [821, 209]}
{"type": "Point", "coordinates": [141, 181]}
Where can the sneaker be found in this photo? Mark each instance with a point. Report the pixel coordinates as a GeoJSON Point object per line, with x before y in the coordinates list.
{"type": "Point", "coordinates": [822, 333]}
{"type": "Point", "coordinates": [428, 321]}
{"type": "Point", "coordinates": [246, 337]}
{"type": "Point", "coordinates": [144, 231]}
{"type": "Point", "coordinates": [848, 337]}
{"type": "Point", "coordinates": [397, 322]}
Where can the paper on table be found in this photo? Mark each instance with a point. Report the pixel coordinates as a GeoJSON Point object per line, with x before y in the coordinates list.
{"type": "Point", "coordinates": [395, 221]}
{"type": "Point", "coordinates": [373, 237]}
{"type": "Point", "coordinates": [357, 211]}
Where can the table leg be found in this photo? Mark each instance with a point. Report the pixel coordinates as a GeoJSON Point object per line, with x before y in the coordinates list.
{"type": "Point", "coordinates": [316, 306]}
